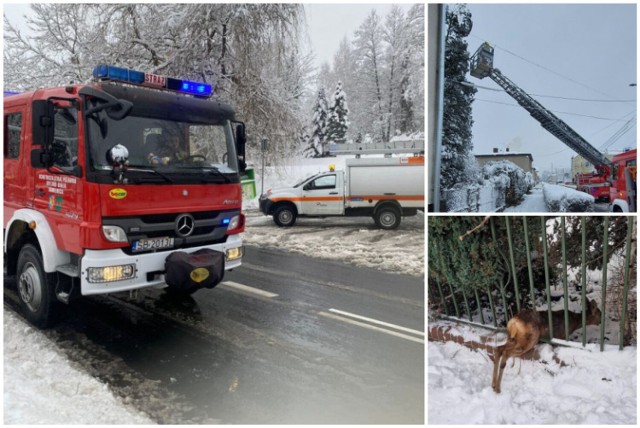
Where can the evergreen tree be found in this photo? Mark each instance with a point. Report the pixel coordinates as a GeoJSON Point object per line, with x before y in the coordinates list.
{"type": "Point", "coordinates": [338, 122]}
{"type": "Point", "coordinates": [457, 121]}
{"type": "Point", "coordinates": [319, 127]}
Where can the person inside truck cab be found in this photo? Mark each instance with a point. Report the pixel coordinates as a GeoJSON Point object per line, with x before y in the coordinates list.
{"type": "Point", "coordinates": [168, 149]}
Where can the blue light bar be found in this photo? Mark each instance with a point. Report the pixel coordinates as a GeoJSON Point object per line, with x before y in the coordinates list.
{"type": "Point", "coordinates": [226, 221]}
{"type": "Point", "coordinates": [109, 72]}
{"type": "Point", "coordinates": [9, 93]}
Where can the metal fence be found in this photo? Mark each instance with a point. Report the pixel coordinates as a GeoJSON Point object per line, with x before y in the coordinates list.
{"type": "Point", "coordinates": [456, 303]}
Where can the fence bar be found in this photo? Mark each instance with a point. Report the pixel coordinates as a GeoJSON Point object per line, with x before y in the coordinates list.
{"type": "Point", "coordinates": [513, 265]}
{"type": "Point", "coordinates": [605, 250]}
{"type": "Point", "coordinates": [583, 224]}
{"type": "Point", "coordinates": [475, 291]}
{"type": "Point", "coordinates": [502, 286]}
{"type": "Point", "coordinates": [455, 303]}
{"type": "Point", "coordinates": [442, 299]}
{"type": "Point", "coordinates": [493, 308]}
{"type": "Point", "coordinates": [453, 296]}
{"type": "Point", "coordinates": [466, 304]}
{"type": "Point", "coordinates": [546, 274]}
{"type": "Point", "coordinates": [526, 237]}
{"type": "Point", "coordinates": [627, 265]}
{"type": "Point", "coordinates": [564, 279]}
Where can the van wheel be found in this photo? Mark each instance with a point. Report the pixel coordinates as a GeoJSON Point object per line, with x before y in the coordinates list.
{"type": "Point", "coordinates": [36, 288]}
{"type": "Point", "coordinates": [387, 218]}
{"type": "Point", "coordinates": [284, 216]}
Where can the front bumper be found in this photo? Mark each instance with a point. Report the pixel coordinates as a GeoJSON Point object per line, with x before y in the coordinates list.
{"type": "Point", "coordinates": [149, 267]}
{"type": "Point", "coordinates": [265, 205]}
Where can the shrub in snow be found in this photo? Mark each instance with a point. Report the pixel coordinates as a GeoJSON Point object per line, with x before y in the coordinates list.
{"type": "Point", "coordinates": [509, 179]}
{"type": "Point", "coordinates": [564, 200]}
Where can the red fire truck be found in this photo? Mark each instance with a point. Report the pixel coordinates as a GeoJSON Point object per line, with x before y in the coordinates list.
{"type": "Point", "coordinates": [593, 184]}
{"type": "Point", "coordinates": [622, 193]}
{"type": "Point", "coordinates": [129, 182]}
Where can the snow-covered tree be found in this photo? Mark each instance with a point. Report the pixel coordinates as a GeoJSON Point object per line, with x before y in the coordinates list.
{"type": "Point", "coordinates": [383, 67]}
{"type": "Point", "coordinates": [337, 120]}
{"type": "Point", "coordinates": [249, 52]}
{"type": "Point", "coordinates": [317, 141]}
{"type": "Point", "coordinates": [369, 48]}
{"type": "Point", "coordinates": [457, 122]}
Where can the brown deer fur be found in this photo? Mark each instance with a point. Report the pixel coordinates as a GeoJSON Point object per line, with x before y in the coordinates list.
{"type": "Point", "coordinates": [526, 328]}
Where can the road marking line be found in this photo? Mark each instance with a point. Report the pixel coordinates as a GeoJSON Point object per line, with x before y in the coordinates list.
{"type": "Point", "coordinates": [371, 327]}
{"type": "Point", "coordinates": [374, 321]}
{"type": "Point", "coordinates": [248, 289]}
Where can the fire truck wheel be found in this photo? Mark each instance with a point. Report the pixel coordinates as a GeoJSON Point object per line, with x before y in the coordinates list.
{"type": "Point", "coordinates": [387, 218]}
{"type": "Point", "coordinates": [284, 216]}
{"type": "Point", "coordinates": [36, 288]}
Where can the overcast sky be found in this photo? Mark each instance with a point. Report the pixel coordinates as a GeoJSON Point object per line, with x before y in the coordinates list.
{"type": "Point", "coordinates": [592, 48]}
{"type": "Point", "coordinates": [329, 23]}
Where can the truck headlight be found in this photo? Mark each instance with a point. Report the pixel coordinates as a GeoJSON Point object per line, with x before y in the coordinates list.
{"type": "Point", "coordinates": [234, 253]}
{"type": "Point", "coordinates": [111, 273]}
{"type": "Point", "coordinates": [114, 233]}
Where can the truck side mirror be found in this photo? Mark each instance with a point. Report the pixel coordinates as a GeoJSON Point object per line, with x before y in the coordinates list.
{"type": "Point", "coordinates": [40, 158]}
{"type": "Point", "coordinates": [42, 112]}
{"type": "Point", "coordinates": [241, 142]}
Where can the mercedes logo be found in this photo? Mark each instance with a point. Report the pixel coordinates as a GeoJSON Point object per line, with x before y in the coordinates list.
{"type": "Point", "coordinates": [184, 225]}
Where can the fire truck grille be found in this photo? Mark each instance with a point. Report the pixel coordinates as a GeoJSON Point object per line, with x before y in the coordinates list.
{"type": "Point", "coordinates": [191, 229]}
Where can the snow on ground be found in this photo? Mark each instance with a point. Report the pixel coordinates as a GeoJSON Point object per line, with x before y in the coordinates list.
{"type": "Point", "coordinates": [353, 240]}
{"type": "Point", "coordinates": [41, 386]}
{"type": "Point", "coordinates": [533, 203]}
{"type": "Point", "coordinates": [594, 388]}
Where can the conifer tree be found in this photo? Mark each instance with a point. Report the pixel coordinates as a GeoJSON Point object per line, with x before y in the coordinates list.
{"type": "Point", "coordinates": [338, 121]}
{"type": "Point", "coordinates": [318, 127]}
{"type": "Point", "coordinates": [457, 120]}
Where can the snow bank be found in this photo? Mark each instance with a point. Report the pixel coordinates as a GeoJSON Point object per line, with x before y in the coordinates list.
{"type": "Point", "coordinates": [510, 179]}
{"type": "Point", "coordinates": [563, 199]}
{"type": "Point", "coordinates": [595, 388]}
{"type": "Point", "coordinates": [41, 386]}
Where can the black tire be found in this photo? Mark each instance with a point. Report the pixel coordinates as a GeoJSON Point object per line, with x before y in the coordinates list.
{"type": "Point", "coordinates": [387, 218]}
{"type": "Point", "coordinates": [36, 289]}
{"type": "Point", "coordinates": [285, 216]}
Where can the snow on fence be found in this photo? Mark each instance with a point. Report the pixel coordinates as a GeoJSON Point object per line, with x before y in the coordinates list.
{"type": "Point", "coordinates": [505, 184]}
{"type": "Point", "coordinates": [563, 199]}
{"type": "Point", "coordinates": [474, 198]}
{"type": "Point", "coordinates": [456, 302]}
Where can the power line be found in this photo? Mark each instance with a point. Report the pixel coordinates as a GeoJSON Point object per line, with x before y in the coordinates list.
{"type": "Point", "coordinates": [550, 96]}
{"type": "Point", "coordinates": [545, 68]}
{"type": "Point", "coordinates": [554, 111]}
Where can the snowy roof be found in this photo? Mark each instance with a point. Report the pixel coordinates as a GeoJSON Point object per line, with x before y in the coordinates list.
{"type": "Point", "coordinates": [502, 154]}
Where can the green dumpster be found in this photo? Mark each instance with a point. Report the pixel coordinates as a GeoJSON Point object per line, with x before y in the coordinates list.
{"type": "Point", "coordinates": [248, 182]}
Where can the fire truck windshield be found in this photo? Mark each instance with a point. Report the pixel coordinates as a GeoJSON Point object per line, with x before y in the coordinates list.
{"type": "Point", "coordinates": [182, 151]}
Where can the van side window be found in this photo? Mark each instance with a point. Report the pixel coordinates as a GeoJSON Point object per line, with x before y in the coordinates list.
{"type": "Point", "coordinates": [65, 141]}
{"type": "Point", "coordinates": [12, 134]}
{"type": "Point", "coordinates": [324, 182]}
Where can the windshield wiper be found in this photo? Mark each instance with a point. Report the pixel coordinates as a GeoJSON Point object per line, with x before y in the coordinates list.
{"type": "Point", "coordinates": [210, 169]}
{"type": "Point", "coordinates": [145, 168]}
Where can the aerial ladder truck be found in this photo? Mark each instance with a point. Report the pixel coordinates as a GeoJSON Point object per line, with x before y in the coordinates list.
{"type": "Point", "coordinates": [620, 170]}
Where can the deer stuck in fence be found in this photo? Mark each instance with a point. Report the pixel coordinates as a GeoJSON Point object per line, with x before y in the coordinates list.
{"type": "Point", "coordinates": [526, 328]}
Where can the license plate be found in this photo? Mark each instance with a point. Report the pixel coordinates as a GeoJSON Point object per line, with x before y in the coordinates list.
{"type": "Point", "coordinates": [152, 244]}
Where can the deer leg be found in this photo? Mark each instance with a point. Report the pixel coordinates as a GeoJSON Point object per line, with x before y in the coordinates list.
{"type": "Point", "coordinates": [506, 353]}
{"type": "Point", "coordinates": [497, 356]}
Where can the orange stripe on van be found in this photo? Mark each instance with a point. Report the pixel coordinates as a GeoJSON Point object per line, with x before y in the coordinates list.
{"type": "Point", "coordinates": [309, 199]}
{"type": "Point", "coordinates": [388, 197]}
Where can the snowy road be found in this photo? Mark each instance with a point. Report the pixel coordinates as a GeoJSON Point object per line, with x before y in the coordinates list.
{"type": "Point", "coordinates": [285, 339]}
